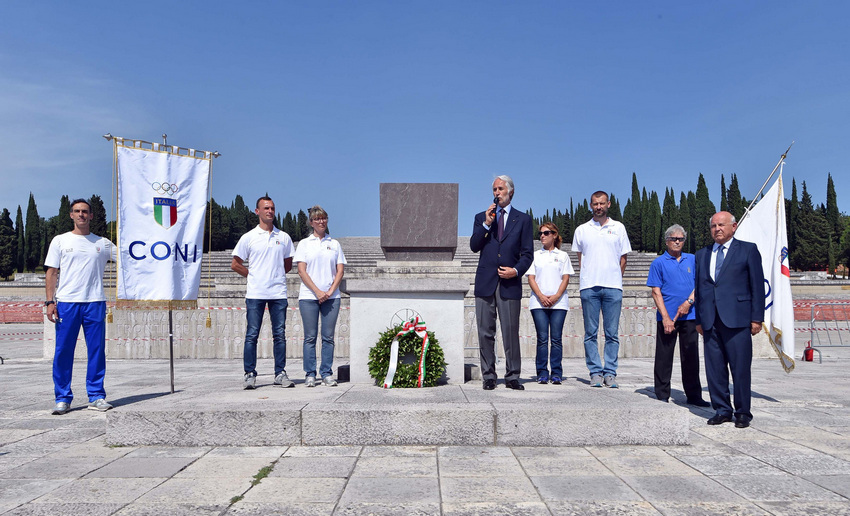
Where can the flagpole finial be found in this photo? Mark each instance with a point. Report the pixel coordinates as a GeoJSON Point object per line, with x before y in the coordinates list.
{"type": "Point", "coordinates": [786, 150]}
{"type": "Point", "coordinates": [108, 137]}
{"type": "Point", "coordinates": [164, 139]}
{"type": "Point", "coordinates": [216, 154]}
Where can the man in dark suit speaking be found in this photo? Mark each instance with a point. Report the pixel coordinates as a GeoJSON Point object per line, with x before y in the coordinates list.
{"type": "Point", "coordinates": [729, 298]}
{"type": "Point", "coordinates": [503, 235]}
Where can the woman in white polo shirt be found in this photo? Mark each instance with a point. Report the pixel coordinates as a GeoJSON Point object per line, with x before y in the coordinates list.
{"type": "Point", "coordinates": [548, 278]}
{"type": "Point", "coordinates": [320, 265]}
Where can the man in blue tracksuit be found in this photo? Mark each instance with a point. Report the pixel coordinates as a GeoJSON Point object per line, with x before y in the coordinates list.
{"type": "Point", "coordinates": [78, 300]}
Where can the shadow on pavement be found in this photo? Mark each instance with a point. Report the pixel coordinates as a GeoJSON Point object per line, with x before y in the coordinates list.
{"type": "Point", "coordinates": [128, 400]}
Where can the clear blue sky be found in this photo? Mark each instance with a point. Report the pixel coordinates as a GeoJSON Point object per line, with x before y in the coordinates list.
{"type": "Point", "coordinates": [319, 102]}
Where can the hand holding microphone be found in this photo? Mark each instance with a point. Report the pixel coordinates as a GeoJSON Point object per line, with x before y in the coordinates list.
{"type": "Point", "coordinates": [490, 214]}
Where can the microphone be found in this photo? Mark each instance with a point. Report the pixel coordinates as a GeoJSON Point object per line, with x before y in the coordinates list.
{"type": "Point", "coordinates": [496, 202]}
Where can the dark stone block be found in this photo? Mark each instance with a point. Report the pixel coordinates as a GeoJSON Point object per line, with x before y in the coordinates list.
{"type": "Point", "coordinates": [343, 374]}
{"type": "Point", "coordinates": [419, 221]}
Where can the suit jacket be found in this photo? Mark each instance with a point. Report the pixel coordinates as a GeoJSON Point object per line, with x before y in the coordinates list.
{"type": "Point", "coordinates": [737, 294]}
{"type": "Point", "coordinates": [515, 250]}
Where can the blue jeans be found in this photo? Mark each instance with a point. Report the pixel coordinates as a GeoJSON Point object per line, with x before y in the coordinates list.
{"type": "Point", "coordinates": [92, 317]}
{"type": "Point", "coordinates": [609, 301]}
{"type": "Point", "coordinates": [277, 314]}
{"type": "Point", "coordinates": [310, 311]}
{"type": "Point", "coordinates": [549, 322]}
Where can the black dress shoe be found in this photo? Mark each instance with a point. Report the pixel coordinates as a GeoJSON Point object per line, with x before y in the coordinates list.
{"type": "Point", "coordinates": [719, 419]}
{"type": "Point", "coordinates": [665, 400]}
{"type": "Point", "coordinates": [742, 422]}
{"type": "Point", "coordinates": [515, 385]}
{"type": "Point", "coordinates": [489, 385]}
{"type": "Point", "coordinates": [699, 403]}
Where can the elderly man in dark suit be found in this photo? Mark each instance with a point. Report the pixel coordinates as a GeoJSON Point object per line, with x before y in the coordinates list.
{"type": "Point", "coordinates": [729, 298]}
{"type": "Point", "coordinates": [503, 235]}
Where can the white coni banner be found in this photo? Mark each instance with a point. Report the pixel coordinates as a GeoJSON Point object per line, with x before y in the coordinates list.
{"type": "Point", "coordinates": [162, 200]}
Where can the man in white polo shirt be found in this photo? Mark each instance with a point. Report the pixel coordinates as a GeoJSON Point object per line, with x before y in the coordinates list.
{"type": "Point", "coordinates": [79, 300]}
{"type": "Point", "coordinates": [601, 245]}
{"type": "Point", "coordinates": [268, 251]}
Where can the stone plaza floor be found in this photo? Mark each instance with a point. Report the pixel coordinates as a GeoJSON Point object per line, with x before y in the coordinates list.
{"type": "Point", "coordinates": [794, 459]}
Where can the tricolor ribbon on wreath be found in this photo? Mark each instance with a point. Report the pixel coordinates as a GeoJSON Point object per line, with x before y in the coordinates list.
{"type": "Point", "coordinates": [418, 327]}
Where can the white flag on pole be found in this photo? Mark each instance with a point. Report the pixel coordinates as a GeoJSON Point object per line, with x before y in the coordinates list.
{"type": "Point", "coordinates": [162, 200]}
{"type": "Point", "coordinates": [765, 227]}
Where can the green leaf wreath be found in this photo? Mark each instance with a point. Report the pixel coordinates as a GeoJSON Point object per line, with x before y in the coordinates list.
{"type": "Point", "coordinates": [406, 374]}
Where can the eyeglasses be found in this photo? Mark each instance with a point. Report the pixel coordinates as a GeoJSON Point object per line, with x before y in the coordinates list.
{"type": "Point", "coordinates": [547, 233]}
{"type": "Point", "coordinates": [323, 219]}
{"type": "Point", "coordinates": [675, 239]}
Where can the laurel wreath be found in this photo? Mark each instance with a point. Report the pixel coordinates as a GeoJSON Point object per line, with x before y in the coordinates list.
{"type": "Point", "coordinates": [406, 374]}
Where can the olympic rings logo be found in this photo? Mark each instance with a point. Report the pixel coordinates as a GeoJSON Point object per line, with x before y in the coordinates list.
{"type": "Point", "coordinates": [164, 188]}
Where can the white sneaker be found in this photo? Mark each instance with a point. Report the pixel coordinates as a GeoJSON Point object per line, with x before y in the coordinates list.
{"type": "Point", "coordinates": [611, 382]}
{"type": "Point", "coordinates": [250, 381]}
{"type": "Point", "coordinates": [310, 381]}
{"type": "Point", "coordinates": [100, 405]}
{"type": "Point", "coordinates": [61, 408]}
{"type": "Point", "coordinates": [328, 381]}
{"type": "Point", "coordinates": [283, 380]}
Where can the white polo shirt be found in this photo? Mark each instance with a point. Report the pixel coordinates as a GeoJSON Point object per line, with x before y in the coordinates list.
{"type": "Point", "coordinates": [548, 269]}
{"type": "Point", "coordinates": [601, 248]}
{"type": "Point", "coordinates": [265, 252]}
{"type": "Point", "coordinates": [321, 257]}
{"type": "Point", "coordinates": [81, 260]}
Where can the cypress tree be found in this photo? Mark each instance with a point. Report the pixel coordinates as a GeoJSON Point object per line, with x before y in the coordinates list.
{"type": "Point", "coordinates": [844, 248]}
{"type": "Point", "coordinates": [20, 259]}
{"type": "Point", "coordinates": [632, 216]}
{"type": "Point", "coordinates": [535, 223]}
{"type": "Point", "coordinates": [567, 224]}
{"type": "Point", "coordinates": [792, 211]}
{"type": "Point", "coordinates": [656, 233]}
{"type": "Point", "coordinates": [239, 219]}
{"type": "Point", "coordinates": [220, 226]}
{"type": "Point", "coordinates": [8, 245]}
{"type": "Point", "coordinates": [645, 222]}
{"type": "Point", "coordinates": [703, 209]}
{"type": "Point", "coordinates": [832, 214]}
{"type": "Point", "coordinates": [684, 220]}
{"type": "Point", "coordinates": [582, 214]}
{"type": "Point", "coordinates": [304, 228]}
{"type": "Point", "coordinates": [734, 202]}
{"type": "Point", "coordinates": [812, 236]}
{"type": "Point", "coordinates": [289, 226]}
{"type": "Point", "coordinates": [669, 213]}
{"type": "Point", "coordinates": [831, 258]}
{"type": "Point", "coordinates": [558, 220]}
{"type": "Point", "coordinates": [99, 216]}
{"type": "Point", "coordinates": [724, 204]}
{"type": "Point", "coordinates": [64, 223]}
{"type": "Point", "coordinates": [48, 231]}
{"type": "Point", "coordinates": [32, 238]}
{"type": "Point", "coordinates": [615, 212]}
{"type": "Point", "coordinates": [692, 203]}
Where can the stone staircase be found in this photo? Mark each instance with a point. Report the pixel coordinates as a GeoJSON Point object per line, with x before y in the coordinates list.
{"type": "Point", "coordinates": [363, 254]}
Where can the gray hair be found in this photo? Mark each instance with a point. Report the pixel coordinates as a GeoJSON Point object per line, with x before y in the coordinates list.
{"type": "Point", "coordinates": [509, 182]}
{"type": "Point", "coordinates": [675, 228]}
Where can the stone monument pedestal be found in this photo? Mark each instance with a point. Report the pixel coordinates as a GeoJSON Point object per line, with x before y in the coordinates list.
{"type": "Point", "coordinates": [379, 304]}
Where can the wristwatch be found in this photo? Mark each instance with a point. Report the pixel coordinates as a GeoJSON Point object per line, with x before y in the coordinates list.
{"type": "Point", "coordinates": [691, 301]}
{"type": "Point", "coordinates": [48, 303]}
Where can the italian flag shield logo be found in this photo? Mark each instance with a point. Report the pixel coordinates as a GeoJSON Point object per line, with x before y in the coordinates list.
{"type": "Point", "coordinates": [165, 211]}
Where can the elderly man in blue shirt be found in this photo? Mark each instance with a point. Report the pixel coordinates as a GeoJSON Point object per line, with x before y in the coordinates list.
{"type": "Point", "coordinates": [671, 277]}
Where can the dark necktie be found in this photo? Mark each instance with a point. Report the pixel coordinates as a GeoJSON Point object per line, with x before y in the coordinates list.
{"type": "Point", "coordinates": [718, 262]}
{"type": "Point", "coordinates": [500, 223]}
